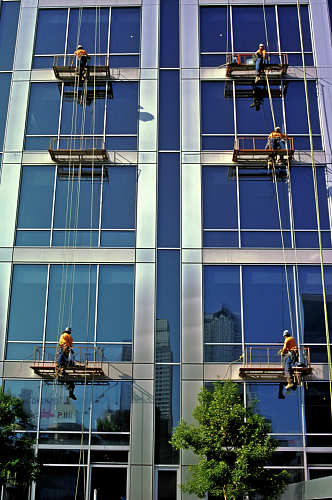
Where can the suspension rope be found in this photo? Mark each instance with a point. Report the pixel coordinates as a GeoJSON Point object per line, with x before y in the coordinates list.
{"type": "Point", "coordinates": [314, 173]}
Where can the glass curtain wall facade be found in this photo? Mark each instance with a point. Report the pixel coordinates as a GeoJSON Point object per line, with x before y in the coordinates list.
{"type": "Point", "coordinates": [164, 256]}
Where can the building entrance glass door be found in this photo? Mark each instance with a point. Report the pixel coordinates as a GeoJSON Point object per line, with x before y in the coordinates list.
{"type": "Point", "coordinates": [108, 483]}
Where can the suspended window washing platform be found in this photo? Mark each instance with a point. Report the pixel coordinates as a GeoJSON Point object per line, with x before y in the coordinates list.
{"type": "Point", "coordinates": [253, 149]}
{"type": "Point", "coordinates": [78, 150]}
{"type": "Point", "coordinates": [243, 66]}
{"type": "Point", "coordinates": [97, 69]}
{"type": "Point", "coordinates": [263, 363]}
{"type": "Point", "coordinates": [81, 95]}
{"type": "Point", "coordinates": [83, 172]}
{"type": "Point", "coordinates": [87, 363]}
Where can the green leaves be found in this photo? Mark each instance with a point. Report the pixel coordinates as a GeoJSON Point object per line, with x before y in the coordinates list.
{"type": "Point", "coordinates": [233, 445]}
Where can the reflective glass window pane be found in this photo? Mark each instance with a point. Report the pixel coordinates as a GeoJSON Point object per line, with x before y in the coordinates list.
{"type": "Point", "coordinates": [61, 482]}
{"type": "Point", "coordinates": [19, 351]}
{"type": "Point", "coordinates": [289, 29]}
{"type": "Point", "coordinates": [37, 186]}
{"type": "Point", "coordinates": [104, 456]}
{"type": "Point", "coordinates": [61, 413]}
{"type": "Point", "coordinates": [311, 300]}
{"type": "Point", "coordinates": [217, 143]}
{"type": "Point", "coordinates": [322, 441]}
{"type": "Point", "coordinates": [267, 239]}
{"type": "Point", "coordinates": [304, 205]}
{"type": "Point", "coordinates": [167, 484]}
{"type": "Point", "coordinates": [77, 119]}
{"type": "Point", "coordinates": [284, 458]}
{"type": "Point", "coordinates": [77, 204]}
{"type": "Point", "coordinates": [71, 301]}
{"type": "Point", "coordinates": [222, 306]}
{"type": "Point", "coordinates": [289, 441]}
{"type": "Point", "coordinates": [169, 34]}
{"type": "Point", "coordinates": [29, 391]}
{"type": "Point", "coordinates": [62, 456]}
{"type": "Point", "coordinates": [168, 227]}
{"type": "Point", "coordinates": [219, 199]}
{"type": "Point", "coordinates": [123, 61]}
{"type": "Point", "coordinates": [167, 412]}
{"type": "Point", "coordinates": [222, 353]}
{"type": "Point", "coordinates": [224, 239]}
{"type": "Point", "coordinates": [111, 406]}
{"type": "Point", "coordinates": [37, 143]}
{"type": "Point", "coordinates": [265, 297]}
{"type": "Point", "coordinates": [296, 109]}
{"type": "Point", "coordinates": [75, 238]}
{"type": "Point", "coordinates": [64, 438]}
{"type": "Point", "coordinates": [317, 401]}
{"type": "Point", "coordinates": [316, 459]}
{"type": "Point", "coordinates": [125, 30]}
{"type": "Point", "coordinates": [121, 143]}
{"type": "Point", "coordinates": [305, 239]}
{"type": "Point", "coordinates": [88, 27]}
{"type": "Point", "coordinates": [117, 239]}
{"type": "Point", "coordinates": [212, 60]}
{"type": "Point", "coordinates": [252, 26]}
{"type": "Point", "coordinates": [297, 60]}
{"type": "Point", "coordinates": [259, 207]}
{"type": "Point", "coordinates": [215, 33]}
{"type": "Point", "coordinates": [9, 12]}
{"type": "Point", "coordinates": [41, 62]}
{"type": "Point", "coordinates": [44, 106]}
{"type": "Point", "coordinates": [115, 303]}
{"type": "Point", "coordinates": [33, 238]}
{"type": "Point", "coordinates": [274, 409]}
{"type": "Point", "coordinates": [169, 110]}
{"type": "Point", "coordinates": [116, 352]}
{"type": "Point", "coordinates": [110, 439]}
{"type": "Point", "coordinates": [214, 109]}
{"type": "Point", "coordinates": [27, 307]}
{"type": "Point", "coordinates": [119, 199]}
{"type": "Point", "coordinates": [51, 31]}
{"type": "Point", "coordinates": [122, 110]}
{"type": "Point", "coordinates": [5, 79]}
{"type": "Point", "coordinates": [168, 307]}
{"type": "Point", "coordinates": [250, 121]}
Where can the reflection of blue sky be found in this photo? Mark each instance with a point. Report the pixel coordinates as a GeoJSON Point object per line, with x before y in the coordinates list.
{"type": "Point", "coordinates": [222, 286]}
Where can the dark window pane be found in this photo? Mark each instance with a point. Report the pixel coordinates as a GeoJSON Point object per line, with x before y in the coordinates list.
{"type": "Point", "coordinates": [71, 301]}
{"type": "Point", "coordinates": [249, 121]}
{"type": "Point", "coordinates": [105, 480]}
{"type": "Point", "coordinates": [119, 200]}
{"type": "Point", "coordinates": [46, 62]}
{"type": "Point", "coordinates": [125, 30]}
{"type": "Point", "coordinates": [167, 485]}
{"type": "Point", "coordinates": [124, 61]}
{"type": "Point", "coordinates": [303, 142]}
{"type": "Point", "coordinates": [61, 482]}
{"type": "Point", "coordinates": [51, 31]}
{"type": "Point", "coordinates": [322, 441]}
{"type": "Point", "coordinates": [5, 79]}
{"type": "Point", "coordinates": [111, 407]}
{"type": "Point", "coordinates": [28, 390]}
{"type": "Point", "coordinates": [267, 239]}
{"type": "Point", "coordinates": [76, 119]}
{"type": "Point", "coordinates": [259, 207]}
{"type": "Point", "coordinates": [250, 29]}
{"type": "Point", "coordinates": [27, 307]}
{"type": "Point", "coordinates": [88, 27]}
{"type": "Point", "coordinates": [37, 186]}
{"type": "Point", "coordinates": [99, 456]}
{"type": "Point", "coordinates": [121, 143]}
{"type": "Point", "coordinates": [296, 109]}
{"type": "Point", "coordinates": [37, 143]}
{"type": "Point", "coordinates": [62, 456]}
{"type": "Point", "coordinates": [224, 239]}
{"type": "Point", "coordinates": [77, 205]}
{"type": "Point", "coordinates": [265, 297]}
{"type": "Point", "coordinates": [312, 307]}
{"type": "Point", "coordinates": [167, 408]}
{"type": "Point", "coordinates": [284, 458]}
{"type": "Point", "coordinates": [9, 12]}
{"type": "Point", "coordinates": [222, 353]}
{"type": "Point", "coordinates": [274, 409]}
{"type": "Point", "coordinates": [222, 306]}
{"type": "Point", "coordinates": [117, 239]}
{"type": "Point", "coordinates": [168, 200]}
{"type": "Point", "coordinates": [311, 240]}
{"type": "Point", "coordinates": [296, 60]}
{"type": "Point", "coordinates": [217, 143]}
{"type": "Point", "coordinates": [122, 110]}
{"type": "Point", "coordinates": [33, 238]}
{"type": "Point", "coordinates": [317, 459]}
{"type": "Point", "coordinates": [212, 60]}
{"type": "Point", "coordinates": [219, 199]}
{"type": "Point", "coordinates": [214, 109]}
{"type": "Point", "coordinates": [304, 206]}
{"type": "Point", "coordinates": [317, 402]}
{"type": "Point", "coordinates": [289, 29]}
{"type": "Point", "coordinates": [115, 303]}
{"type": "Point", "coordinates": [169, 34]}
{"type": "Point", "coordinates": [215, 33]}
{"type": "Point", "coordinates": [168, 307]}
{"type": "Point", "coordinates": [44, 106]}
{"type": "Point", "coordinates": [169, 110]}
{"type": "Point", "coordinates": [318, 473]}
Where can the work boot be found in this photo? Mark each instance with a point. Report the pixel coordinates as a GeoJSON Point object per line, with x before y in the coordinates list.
{"type": "Point", "coordinates": [289, 385]}
{"type": "Point", "coordinates": [71, 394]}
{"type": "Point", "coordinates": [252, 105]}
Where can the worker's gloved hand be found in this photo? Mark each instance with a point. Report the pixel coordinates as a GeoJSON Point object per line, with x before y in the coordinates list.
{"type": "Point", "coordinates": [72, 351]}
{"type": "Point", "coordinates": [279, 353]}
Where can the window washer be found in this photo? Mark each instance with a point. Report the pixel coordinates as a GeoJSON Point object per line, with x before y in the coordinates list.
{"type": "Point", "coordinates": [81, 63]}
{"type": "Point", "coordinates": [260, 61]}
{"type": "Point", "coordinates": [291, 357]}
{"type": "Point", "coordinates": [64, 352]}
{"type": "Point", "coordinates": [275, 138]}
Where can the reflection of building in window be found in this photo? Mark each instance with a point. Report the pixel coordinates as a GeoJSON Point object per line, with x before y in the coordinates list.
{"type": "Point", "coordinates": [164, 373]}
{"type": "Point", "coordinates": [222, 326]}
{"type": "Point", "coordinates": [313, 316]}
{"type": "Point", "coordinates": [126, 352]}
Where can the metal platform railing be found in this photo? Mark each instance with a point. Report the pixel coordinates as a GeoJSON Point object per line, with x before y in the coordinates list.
{"type": "Point", "coordinates": [78, 149]}
{"type": "Point", "coordinates": [244, 65]}
{"type": "Point", "coordinates": [97, 68]}
{"type": "Point", "coordinates": [254, 148]}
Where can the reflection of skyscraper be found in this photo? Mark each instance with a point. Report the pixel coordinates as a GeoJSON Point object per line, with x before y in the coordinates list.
{"type": "Point", "coordinates": [164, 373]}
{"type": "Point", "coordinates": [222, 326]}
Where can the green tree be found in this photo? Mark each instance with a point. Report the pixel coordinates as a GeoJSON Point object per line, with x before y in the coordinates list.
{"type": "Point", "coordinates": [18, 463]}
{"type": "Point", "coordinates": [233, 445]}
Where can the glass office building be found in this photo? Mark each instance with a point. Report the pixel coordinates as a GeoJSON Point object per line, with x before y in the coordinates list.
{"type": "Point", "coordinates": [164, 254]}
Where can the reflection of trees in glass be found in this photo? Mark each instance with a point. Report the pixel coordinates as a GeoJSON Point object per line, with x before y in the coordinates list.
{"type": "Point", "coordinates": [163, 394]}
